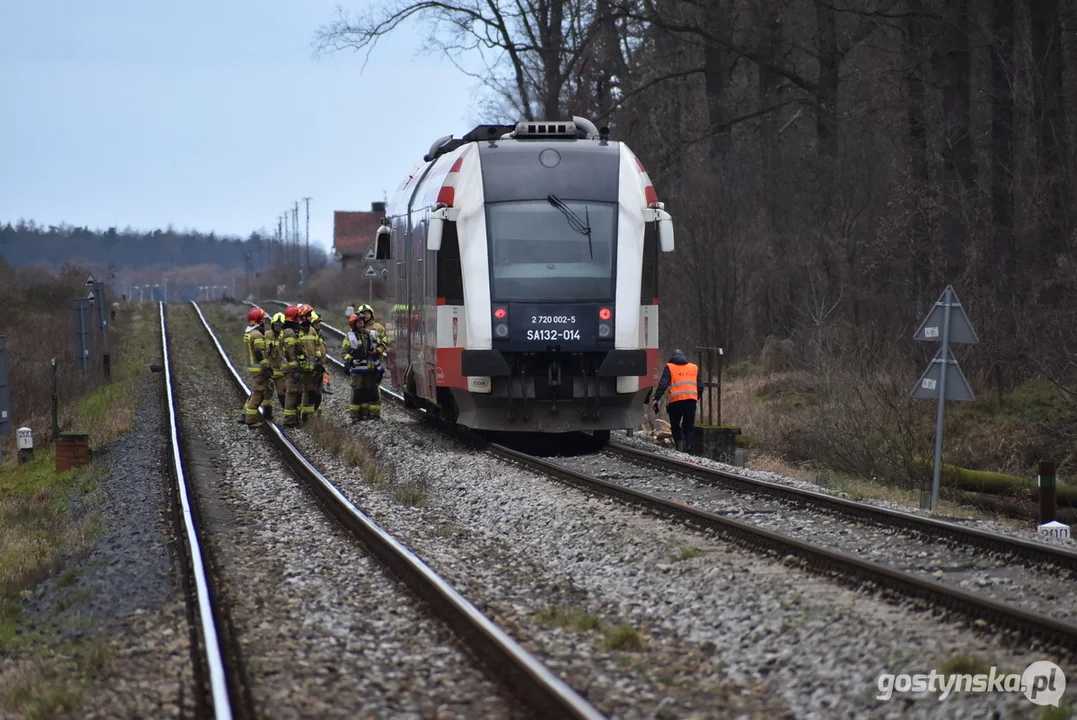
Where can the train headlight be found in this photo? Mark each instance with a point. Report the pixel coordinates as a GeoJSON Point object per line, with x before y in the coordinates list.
{"type": "Point", "coordinates": [604, 330]}
{"type": "Point", "coordinates": [501, 330]}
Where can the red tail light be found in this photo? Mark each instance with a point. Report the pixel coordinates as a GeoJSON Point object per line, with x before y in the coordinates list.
{"type": "Point", "coordinates": [500, 313]}
{"type": "Point", "coordinates": [605, 314]}
{"type": "Point", "coordinates": [446, 195]}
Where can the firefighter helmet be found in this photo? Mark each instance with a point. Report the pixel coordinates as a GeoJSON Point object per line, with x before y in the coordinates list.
{"type": "Point", "coordinates": [353, 318]}
{"type": "Point", "coordinates": [314, 317]}
{"type": "Point", "coordinates": [278, 319]}
{"type": "Point", "coordinates": [256, 316]}
{"type": "Point", "coordinates": [291, 313]}
{"type": "Point", "coordinates": [365, 308]}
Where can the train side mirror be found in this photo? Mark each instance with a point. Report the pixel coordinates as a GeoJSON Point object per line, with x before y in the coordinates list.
{"type": "Point", "coordinates": [436, 227]}
{"type": "Point", "coordinates": [665, 230]}
{"type": "Point", "coordinates": [433, 233]}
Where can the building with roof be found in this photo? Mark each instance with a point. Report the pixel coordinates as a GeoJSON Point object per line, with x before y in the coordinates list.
{"type": "Point", "coordinates": [354, 233]}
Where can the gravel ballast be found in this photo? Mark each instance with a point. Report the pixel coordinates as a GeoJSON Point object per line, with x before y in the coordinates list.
{"type": "Point", "coordinates": [1038, 589]}
{"type": "Point", "coordinates": [1006, 526]}
{"type": "Point", "coordinates": [719, 624]}
{"type": "Point", "coordinates": [324, 632]}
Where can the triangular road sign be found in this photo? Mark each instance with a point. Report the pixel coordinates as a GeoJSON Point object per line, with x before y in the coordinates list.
{"type": "Point", "coordinates": [957, 387]}
{"type": "Point", "coordinates": [89, 296]}
{"type": "Point", "coordinates": [370, 255]}
{"type": "Point", "coordinates": [960, 328]}
{"type": "Point", "coordinates": [370, 272]}
{"type": "Point", "coordinates": [90, 281]}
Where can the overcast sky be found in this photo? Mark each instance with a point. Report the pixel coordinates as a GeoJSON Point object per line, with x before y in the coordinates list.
{"type": "Point", "coordinates": [208, 114]}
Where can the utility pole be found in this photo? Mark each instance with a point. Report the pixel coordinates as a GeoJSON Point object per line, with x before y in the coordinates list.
{"type": "Point", "coordinates": [295, 237]}
{"type": "Point", "coordinates": [307, 201]}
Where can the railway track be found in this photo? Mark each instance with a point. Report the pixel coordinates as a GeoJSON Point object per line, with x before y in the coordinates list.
{"type": "Point", "coordinates": [218, 672]}
{"type": "Point", "coordinates": [533, 684]}
{"type": "Point", "coordinates": [985, 614]}
{"type": "Point", "coordinates": [1019, 548]}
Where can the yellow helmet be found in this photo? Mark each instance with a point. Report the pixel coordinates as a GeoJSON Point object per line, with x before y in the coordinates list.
{"type": "Point", "coordinates": [278, 319]}
{"type": "Point", "coordinates": [365, 308]}
{"type": "Point", "coordinates": [314, 317]}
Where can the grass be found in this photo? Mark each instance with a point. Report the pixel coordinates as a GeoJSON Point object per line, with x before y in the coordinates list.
{"type": "Point", "coordinates": [560, 616]}
{"type": "Point", "coordinates": [409, 494]}
{"type": "Point", "coordinates": [624, 637]}
{"type": "Point", "coordinates": [108, 412]}
{"type": "Point", "coordinates": [620, 637]}
{"type": "Point", "coordinates": [992, 443]}
{"type": "Point", "coordinates": [41, 696]}
{"type": "Point", "coordinates": [963, 664]}
{"type": "Point", "coordinates": [41, 533]}
{"type": "Point", "coordinates": [685, 554]}
{"type": "Point", "coordinates": [1062, 712]}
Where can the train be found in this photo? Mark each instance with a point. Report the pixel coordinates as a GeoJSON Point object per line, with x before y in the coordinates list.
{"type": "Point", "coordinates": [523, 279]}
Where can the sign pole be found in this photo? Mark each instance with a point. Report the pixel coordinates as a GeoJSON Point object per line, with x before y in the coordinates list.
{"type": "Point", "coordinates": [947, 316]}
{"type": "Point", "coordinates": [940, 411]}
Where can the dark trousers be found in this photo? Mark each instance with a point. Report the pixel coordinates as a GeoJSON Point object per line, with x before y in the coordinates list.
{"type": "Point", "coordinates": [682, 421]}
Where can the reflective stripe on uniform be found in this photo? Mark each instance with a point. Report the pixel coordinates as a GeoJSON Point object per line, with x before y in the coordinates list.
{"type": "Point", "coordinates": [683, 382]}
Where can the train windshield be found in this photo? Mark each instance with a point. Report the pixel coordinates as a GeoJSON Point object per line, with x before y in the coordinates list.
{"type": "Point", "coordinates": [552, 249]}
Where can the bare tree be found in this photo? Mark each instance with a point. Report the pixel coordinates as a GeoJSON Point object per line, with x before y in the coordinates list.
{"type": "Point", "coordinates": [532, 50]}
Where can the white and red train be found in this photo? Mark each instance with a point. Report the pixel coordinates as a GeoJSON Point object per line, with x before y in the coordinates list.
{"type": "Point", "coordinates": [523, 275]}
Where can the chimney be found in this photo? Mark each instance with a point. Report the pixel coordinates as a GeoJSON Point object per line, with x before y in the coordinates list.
{"type": "Point", "coordinates": [378, 207]}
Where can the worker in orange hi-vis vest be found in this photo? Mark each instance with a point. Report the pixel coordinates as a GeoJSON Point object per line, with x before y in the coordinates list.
{"type": "Point", "coordinates": [685, 385]}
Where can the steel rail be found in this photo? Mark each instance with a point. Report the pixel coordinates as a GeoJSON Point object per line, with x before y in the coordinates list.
{"type": "Point", "coordinates": [524, 676]}
{"type": "Point", "coordinates": [995, 542]}
{"type": "Point", "coordinates": [1027, 550]}
{"type": "Point", "coordinates": [1023, 624]}
{"type": "Point", "coordinates": [222, 707]}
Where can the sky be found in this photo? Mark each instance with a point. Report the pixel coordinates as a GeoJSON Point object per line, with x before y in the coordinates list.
{"type": "Point", "coordinates": [210, 114]}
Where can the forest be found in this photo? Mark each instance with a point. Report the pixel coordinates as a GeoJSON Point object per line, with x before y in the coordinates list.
{"type": "Point", "coordinates": [26, 243]}
{"type": "Point", "coordinates": [831, 166]}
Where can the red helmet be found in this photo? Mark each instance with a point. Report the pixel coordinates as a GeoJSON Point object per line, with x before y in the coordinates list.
{"type": "Point", "coordinates": [291, 313]}
{"type": "Point", "coordinates": [305, 310]}
{"type": "Point", "coordinates": [256, 316]}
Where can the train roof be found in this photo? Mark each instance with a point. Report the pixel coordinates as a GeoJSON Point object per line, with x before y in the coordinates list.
{"type": "Point", "coordinates": [525, 131]}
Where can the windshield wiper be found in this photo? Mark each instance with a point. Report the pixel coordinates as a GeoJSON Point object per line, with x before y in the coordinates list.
{"type": "Point", "coordinates": [575, 222]}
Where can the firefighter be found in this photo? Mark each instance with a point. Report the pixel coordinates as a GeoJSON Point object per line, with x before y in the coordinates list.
{"type": "Point", "coordinates": [355, 351]}
{"type": "Point", "coordinates": [310, 366]}
{"type": "Point", "coordinates": [258, 367]}
{"type": "Point", "coordinates": [685, 385]}
{"type": "Point", "coordinates": [290, 358]}
{"type": "Point", "coordinates": [275, 351]}
{"type": "Point", "coordinates": [372, 381]}
{"type": "Point", "coordinates": [316, 323]}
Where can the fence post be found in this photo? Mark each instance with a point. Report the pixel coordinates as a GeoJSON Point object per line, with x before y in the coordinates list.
{"type": "Point", "coordinates": [6, 414]}
{"type": "Point", "coordinates": [55, 405]}
{"type": "Point", "coordinates": [1048, 492]}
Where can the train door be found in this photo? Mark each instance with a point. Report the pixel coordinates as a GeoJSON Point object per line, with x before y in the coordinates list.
{"type": "Point", "coordinates": [417, 292]}
{"type": "Point", "coordinates": [430, 323]}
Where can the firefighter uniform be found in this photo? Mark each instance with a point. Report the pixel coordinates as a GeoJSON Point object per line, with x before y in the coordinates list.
{"type": "Point", "coordinates": [275, 353]}
{"type": "Point", "coordinates": [293, 387]}
{"type": "Point", "coordinates": [315, 323]}
{"type": "Point", "coordinates": [371, 381]}
{"type": "Point", "coordinates": [260, 373]}
{"type": "Point", "coordinates": [310, 367]}
{"type": "Point", "coordinates": [363, 366]}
